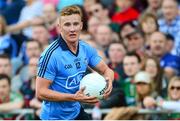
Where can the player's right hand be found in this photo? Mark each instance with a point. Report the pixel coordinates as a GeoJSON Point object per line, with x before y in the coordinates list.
{"type": "Point", "coordinates": [81, 97]}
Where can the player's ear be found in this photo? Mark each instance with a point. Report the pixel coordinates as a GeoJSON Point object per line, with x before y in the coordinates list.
{"type": "Point", "coordinates": [81, 25]}
{"type": "Point", "coordinates": [58, 26]}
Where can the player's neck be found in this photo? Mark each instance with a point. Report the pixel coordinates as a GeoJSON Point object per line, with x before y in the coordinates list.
{"type": "Point", "coordinates": [73, 46]}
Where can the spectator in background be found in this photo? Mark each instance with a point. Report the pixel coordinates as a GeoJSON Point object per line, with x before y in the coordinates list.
{"type": "Point", "coordinates": [32, 9]}
{"type": "Point", "coordinates": [49, 18]}
{"type": "Point", "coordinates": [154, 7]}
{"type": "Point", "coordinates": [8, 100]}
{"type": "Point", "coordinates": [7, 44]}
{"type": "Point", "coordinates": [103, 37]}
{"type": "Point", "coordinates": [116, 54]}
{"type": "Point", "coordinates": [134, 41]}
{"type": "Point", "coordinates": [131, 65]}
{"type": "Point", "coordinates": [152, 66]}
{"type": "Point", "coordinates": [176, 48]}
{"type": "Point", "coordinates": [5, 65]}
{"type": "Point", "coordinates": [157, 48]}
{"type": "Point", "coordinates": [99, 11]}
{"type": "Point", "coordinates": [28, 86]}
{"type": "Point", "coordinates": [169, 67]}
{"type": "Point", "coordinates": [26, 73]}
{"type": "Point", "coordinates": [93, 24]}
{"type": "Point", "coordinates": [126, 28]}
{"type": "Point", "coordinates": [41, 34]}
{"type": "Point", "coordinates": [172, 103]}
{"type": "Point", "coordinates": [107, 3]}
{"type": "Point", "coordinates": [11, 10]}
{"type": "Point", "coordinates": [157, 44]}
{"type": "Point", "coordinates": [31, 48]}
{"type": "Point", "coordinates": [88, 3]}
{"type": "Point", "coordinates": [54, 2]}
{"type": "Point", "coordinates": [171, 22]}
{"type": "Point", "coordinates": [124, 11]}
{"type": "Point", "coordinates": [143, 87]}
{"type": "Point", "coordinates": [25, 83]}
{"type": "Point", "coordinates": [148, 24]}
{"type": "Point", "coordinates": [170, 43]}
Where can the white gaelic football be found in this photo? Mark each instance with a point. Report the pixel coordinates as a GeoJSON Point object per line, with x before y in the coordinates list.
{"type": "Point", "coordinates": [95, 85]}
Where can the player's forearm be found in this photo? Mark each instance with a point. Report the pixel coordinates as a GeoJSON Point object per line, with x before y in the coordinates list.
{"type": "Point", "coordinates": [50, 95]}
{"type": "Point", "coordinates": [109, 73]}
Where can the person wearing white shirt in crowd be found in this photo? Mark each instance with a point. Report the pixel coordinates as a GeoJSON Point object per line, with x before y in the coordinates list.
{"type": "Point", "coordinates": [173, 104]}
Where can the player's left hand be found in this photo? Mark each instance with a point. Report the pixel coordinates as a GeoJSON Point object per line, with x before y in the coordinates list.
{"type": "Point", "coordinates": [109, 88]}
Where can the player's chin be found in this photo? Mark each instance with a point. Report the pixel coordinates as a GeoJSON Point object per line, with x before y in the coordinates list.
{"type": "Point", "coordinates": [73, 39]}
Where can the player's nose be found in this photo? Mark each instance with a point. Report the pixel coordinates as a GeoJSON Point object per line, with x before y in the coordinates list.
{"type": "Point", "coordinates": [72, 28]}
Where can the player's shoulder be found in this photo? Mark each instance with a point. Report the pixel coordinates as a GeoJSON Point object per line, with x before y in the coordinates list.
{"type": "Point", "coordinates": [51, 48]}
{"type": "Point", "coordinates": [84, 44]}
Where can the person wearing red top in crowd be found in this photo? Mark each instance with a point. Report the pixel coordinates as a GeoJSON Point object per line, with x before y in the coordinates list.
{"type": "Point", "coordinates": [124, 11]}
{"type": "Point", "coordinates": [116, 54]}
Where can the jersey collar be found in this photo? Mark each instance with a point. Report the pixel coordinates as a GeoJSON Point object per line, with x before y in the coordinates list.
{"type": "Point", "coordinates": [65, 47]}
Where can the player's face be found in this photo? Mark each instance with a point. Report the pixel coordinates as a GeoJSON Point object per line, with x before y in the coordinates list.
{"type": "Point", "coordinates": [70, 27]}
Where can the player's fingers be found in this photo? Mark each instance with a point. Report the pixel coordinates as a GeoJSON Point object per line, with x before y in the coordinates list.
{"type": "Point", "coordinates": [109, 84]}
{"type": "Point", "coordinates": [90, 98]}
{"type": "Point", "coordinates": [82, 89]}
{"type": "Point", "coordinates": [107, 92]}
{"type": "Point", "coordinates": [109, 88]}
{"type": "Point", "coordinates": [92, 101]}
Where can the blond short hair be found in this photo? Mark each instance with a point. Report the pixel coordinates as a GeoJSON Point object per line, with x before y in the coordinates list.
{"type": "Point", "coordinates": [70, 10]}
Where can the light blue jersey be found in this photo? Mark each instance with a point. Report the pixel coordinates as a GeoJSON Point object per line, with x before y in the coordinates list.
{"type": "Point", "coordinates": [65, 69]}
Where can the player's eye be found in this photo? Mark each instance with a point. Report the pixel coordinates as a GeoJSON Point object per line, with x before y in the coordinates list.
{"type": "Point", "coordinates": [76, 23]}
{"type": "Point", "coordinates": [67, 24]}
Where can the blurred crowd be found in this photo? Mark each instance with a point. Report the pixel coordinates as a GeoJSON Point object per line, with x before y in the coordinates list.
{"type": "Point", "coordinates": [138, 39]}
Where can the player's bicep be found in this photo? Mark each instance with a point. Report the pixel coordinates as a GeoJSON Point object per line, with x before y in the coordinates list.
{"type": "Point", "coordinates": [42, 85]}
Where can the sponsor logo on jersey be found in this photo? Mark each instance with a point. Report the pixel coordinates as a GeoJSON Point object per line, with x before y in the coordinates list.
{"type": "Point", "coordinates": [74, 80]}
